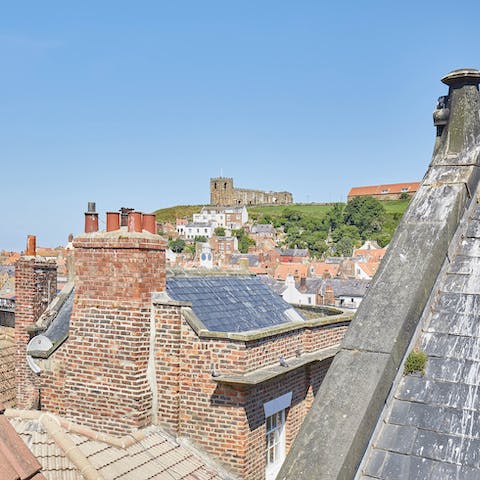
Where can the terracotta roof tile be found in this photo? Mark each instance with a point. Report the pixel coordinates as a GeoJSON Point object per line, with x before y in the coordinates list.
{"type": "Point", "coordinates": [7, 366]}
{"type": "Point", "coordinates": [393, 188]}
{"type": "Point", "coordinates": [155, 456]}
{"type": "Point", "coordinates": [16, 460]}
{"type": "Point", "coordinates": [295, 269]}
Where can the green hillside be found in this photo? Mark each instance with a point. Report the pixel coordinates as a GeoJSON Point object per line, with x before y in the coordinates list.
{"type": "Point", "coordinates": [322, 228]}
{"type": "Point", "coordinates": [170, 214]}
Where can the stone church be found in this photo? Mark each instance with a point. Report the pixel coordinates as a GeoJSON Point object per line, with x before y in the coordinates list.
{"type": "Point", "coordinates": [223, 193]}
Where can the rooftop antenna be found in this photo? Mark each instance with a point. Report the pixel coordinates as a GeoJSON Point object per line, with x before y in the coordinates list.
{"type": "Point", "coordinates": [221, 171]}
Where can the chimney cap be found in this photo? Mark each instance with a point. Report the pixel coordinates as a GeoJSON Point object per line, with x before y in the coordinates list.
{"type": "Point", "coordinates": [91, 207]}
{"type": "Point", "coordinates": [462, 76]}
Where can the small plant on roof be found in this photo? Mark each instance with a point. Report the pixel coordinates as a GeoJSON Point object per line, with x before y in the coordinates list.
{"type": "Point", "coordinates": [415, 362]}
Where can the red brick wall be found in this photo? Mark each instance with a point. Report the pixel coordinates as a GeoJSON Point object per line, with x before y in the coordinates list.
{"type": "Point", "coordinates": [35, 287]}
{"type": "Point", "coordinates": [228, 421]}
{"type": "Point", "coordinates": [167, 365]}
{"type": "Point", "coordinates": [106, 356]}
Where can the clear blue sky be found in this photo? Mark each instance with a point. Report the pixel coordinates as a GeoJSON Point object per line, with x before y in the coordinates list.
{"type": "Point", "coordinates": [138, 104]}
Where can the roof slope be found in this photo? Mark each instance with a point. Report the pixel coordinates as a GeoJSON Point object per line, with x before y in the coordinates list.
{"type": "Point", "coordinates": [16, 460]}
{"type": "Point", "coordinates": [338, 428]}
{"type": "Point", "coordinates": [394, 188]}
{"type": "Point", "coordinates": [7, 366]}
{"type": "Point", "coordinates": [231, 303]}
{"type": "Point", "coordinates": [64, 452]}
{"type": "Point", "coordinates": [431, 428]}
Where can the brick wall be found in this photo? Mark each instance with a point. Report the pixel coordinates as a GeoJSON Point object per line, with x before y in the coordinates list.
{"type": "Point", "coordinates": [8, 391]}
{"type": "Point", "coordinates": [227, 421]}
{"type": "Point", "coordinates": [104, 382]}
{"type": "Point", "coordinates": [35, 287]}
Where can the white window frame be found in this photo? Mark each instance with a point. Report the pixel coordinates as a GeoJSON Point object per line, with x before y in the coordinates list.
{"type": "Point", "coordinates": [275, 419]}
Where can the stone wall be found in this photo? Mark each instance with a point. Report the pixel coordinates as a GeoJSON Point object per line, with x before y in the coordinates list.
{"type": "Point", "coordinates": [223, 193]}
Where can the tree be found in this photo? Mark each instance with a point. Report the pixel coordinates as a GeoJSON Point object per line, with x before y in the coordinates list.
{"type": "Point", "coordinates": [177, 245]}
{"type": "Point", "coordinates": [366, 213]}
{"type": "Point", "coordinates": [220, 232]}
{"type": "Point", "coordinates": [344, 247]}
{"type": "Point", "coordinates": [200, 238]}
{"type": "Point", "coordinates": [350, 231]}
{"type": "Point", "coordinates": [334, 217]}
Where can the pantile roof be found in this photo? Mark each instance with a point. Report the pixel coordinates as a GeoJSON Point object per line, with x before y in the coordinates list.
{"type": "Point", "coordinates": [65, 449]}
{"type": "Point", "coordinates": [392, 188]}
{"type": "Point", "coordinates": [299, 270]}
{"type": "Point", "coordinates": [320, 268]}
{"type": "Point", "coordinates": [16, 461]}
{"type": "Point", "coordinates": [7, 366]}
{"type": "Point", "coordinates": [232, 303]}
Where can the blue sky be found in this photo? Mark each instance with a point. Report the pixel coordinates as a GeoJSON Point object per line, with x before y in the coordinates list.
{"type": "Point", "coordinates": [138, 104]}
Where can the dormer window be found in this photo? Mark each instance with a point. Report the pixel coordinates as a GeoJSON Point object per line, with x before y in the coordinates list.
{"type": "Point", "coordinates": [385, 191]}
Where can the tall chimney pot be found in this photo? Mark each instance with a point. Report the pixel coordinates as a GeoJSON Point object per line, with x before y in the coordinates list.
{"type": "Point", "coordinates": [113, 221]}
{"type": "Point", "coordinates": [135, 222]}
{"type": "Point", "coordinates": [149, 222]}
{"type": "Point", "coordinates": [31, 245]}
{"type": "Point", "coordinates": [91, 219]}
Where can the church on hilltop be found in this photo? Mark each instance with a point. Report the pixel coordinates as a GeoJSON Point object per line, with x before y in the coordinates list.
{"type": "Point", "coordinates": [223, 193]}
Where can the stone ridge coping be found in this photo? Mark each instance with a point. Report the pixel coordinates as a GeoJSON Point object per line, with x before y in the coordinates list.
{"type": "Point", "coordinates": [120, 239]}
{"type": "Point", "coordinates": [56, 427]}
{"type": "Point", "coordinates": [37, 259]}
{"type": "Point", "coordinates": [264, 374]}
{"type": "Point", "coordinates": [162, 298]}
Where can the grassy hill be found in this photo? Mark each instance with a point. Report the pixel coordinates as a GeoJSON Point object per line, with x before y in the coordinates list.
{"type": "Point", "coordinates": [316, 210]}
{"type": "Point", "coordinates": [170, 214]}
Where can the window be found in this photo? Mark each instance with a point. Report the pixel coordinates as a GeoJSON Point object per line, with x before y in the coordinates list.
{"type": "Point", "coordinates": [385, 191]}
{"type": "Point", "coordinates": [275, 416]}
{"type": "Point", "coordinates": [275, 444]}
{"type": "Point", "coordinates": [404, 190]}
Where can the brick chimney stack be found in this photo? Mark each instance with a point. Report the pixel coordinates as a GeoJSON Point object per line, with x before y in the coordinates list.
{"type": "Point", "coordinates": [35, 287]}
{"type": "Point", "coordinates": [107, 353]}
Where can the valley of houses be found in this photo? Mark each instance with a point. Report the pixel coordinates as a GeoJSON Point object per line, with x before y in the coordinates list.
{"type": "Point", "coordinates": [204, 364]}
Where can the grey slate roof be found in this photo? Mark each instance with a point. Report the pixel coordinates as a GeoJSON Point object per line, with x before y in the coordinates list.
{"type": "Point", "coordinates": [276, 285]}
{"type": "Point", "coordinates": [56, 322]}
{"type": "Point", "coordinates": [432, 425]}
{"type": "Point", "coordinates": [341, 287]}
{"type": "Point", "coordinates": [426, 294]}
{"type": "Point", "coordinates": [251, 257]}
{"type": "Point", "coordinates": [231, 303]}
{"type": "Point", "coordinates": [263, 228]}
{"type": "Point", "coordinates": [294, 252]}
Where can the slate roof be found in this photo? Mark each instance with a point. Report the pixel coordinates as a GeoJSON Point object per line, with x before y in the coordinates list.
{"type": "Point", "coordinates": [263, 228]}
{"type": "Point", "coordinates": [432, 425]}
{"type": "Point", "coordinates": [55, 322]}
{"type": "Point", "coordinates": [277, 286]}
{"type": "Point", "coordinates": [251, 257]}
{"type": "Point", "coordinates": [341, 287]}
{"type": "Point", "coordinates": [294, 252]}
{"type": "Point", "coordinates": [426, 294]}
{"type": "Point", "coordinates": [154, 456]}
{"type": "Point", "coordinates": [232, 303]}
